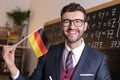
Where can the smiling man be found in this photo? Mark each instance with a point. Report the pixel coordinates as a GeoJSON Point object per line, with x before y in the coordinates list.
{"type": "Point", "coordinates": [72, 60]}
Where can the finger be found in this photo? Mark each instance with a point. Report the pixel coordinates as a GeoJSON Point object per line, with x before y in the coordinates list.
{"type": "Point", "coordinates": [14, 47]}
{"type": "Point", "coordinates": [8, 49]}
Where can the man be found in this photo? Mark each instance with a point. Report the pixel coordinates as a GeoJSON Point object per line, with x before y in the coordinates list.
{"type": "Point", "coordinates": [84, 63]}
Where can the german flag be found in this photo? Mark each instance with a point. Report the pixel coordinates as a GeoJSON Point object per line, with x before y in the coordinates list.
{"type": "Point", "coordinates": [39, 42]}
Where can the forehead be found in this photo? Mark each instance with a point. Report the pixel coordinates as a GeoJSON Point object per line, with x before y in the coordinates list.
{"type": "Point", "coordinates": [73, 15]}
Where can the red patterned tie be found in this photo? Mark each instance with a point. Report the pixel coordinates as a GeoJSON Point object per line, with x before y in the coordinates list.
{"type": "Point", "coordinates": [69, 62]}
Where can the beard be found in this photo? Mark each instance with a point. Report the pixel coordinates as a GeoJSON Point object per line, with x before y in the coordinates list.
{"type": "Point", "coordinates": [69, 39]}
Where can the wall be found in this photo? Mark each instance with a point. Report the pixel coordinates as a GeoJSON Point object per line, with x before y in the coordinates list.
{"type": "Point", "coordinates": [8, 5]}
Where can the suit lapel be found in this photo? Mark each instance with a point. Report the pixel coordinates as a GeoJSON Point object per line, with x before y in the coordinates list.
{"type": "Point", "coordinates": [59, 55]}
{"type": "Point", "coordinates": [81, 63]}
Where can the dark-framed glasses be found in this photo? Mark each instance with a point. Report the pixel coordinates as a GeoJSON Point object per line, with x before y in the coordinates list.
{"type": "Point", "coordinates": [76, 22]}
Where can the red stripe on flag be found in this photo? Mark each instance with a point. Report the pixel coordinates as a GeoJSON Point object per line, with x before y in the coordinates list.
{"type": "Point", "coordinates": [40, 42]}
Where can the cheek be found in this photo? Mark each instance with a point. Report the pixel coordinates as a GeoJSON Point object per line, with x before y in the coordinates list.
{"type": "Point", "coordinates": [64, 29]}
{"type": "Point", "coordinates": [83, 28]}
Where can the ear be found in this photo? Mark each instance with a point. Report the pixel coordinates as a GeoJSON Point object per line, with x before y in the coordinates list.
{"type": "Point", "coordinates": [85, 26]}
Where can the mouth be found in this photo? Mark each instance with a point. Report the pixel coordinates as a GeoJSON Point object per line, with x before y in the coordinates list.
{"type": "Point", "coordinates": [72, 33]}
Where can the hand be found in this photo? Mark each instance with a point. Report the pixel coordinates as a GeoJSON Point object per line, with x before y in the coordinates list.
{"type": "Point", "coordinates": [8, 54]}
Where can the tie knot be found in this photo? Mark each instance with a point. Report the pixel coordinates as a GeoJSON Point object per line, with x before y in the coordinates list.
{"type": "Point", "coordinates": [70, 53]}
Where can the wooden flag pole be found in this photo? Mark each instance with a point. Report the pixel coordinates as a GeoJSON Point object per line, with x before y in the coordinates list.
{"type": "Point", "coordinates": [26, 37]}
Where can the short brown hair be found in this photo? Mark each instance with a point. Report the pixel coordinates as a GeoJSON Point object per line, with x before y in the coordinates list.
{"type": "Point", "coordinates": [73, 7]}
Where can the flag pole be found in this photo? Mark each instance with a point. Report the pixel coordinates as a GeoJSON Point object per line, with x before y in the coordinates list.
{"type": "Point", "coordinates": [27, 36]}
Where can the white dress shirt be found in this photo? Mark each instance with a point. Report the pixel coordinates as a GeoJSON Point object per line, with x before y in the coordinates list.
{"type": "Point", "coordinates": [16, 76]}
{"type": "Point", "coordinates": [77, 53]}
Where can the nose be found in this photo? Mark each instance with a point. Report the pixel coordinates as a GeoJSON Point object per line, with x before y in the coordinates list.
{"type": "Point", "coordinates": [72, 25]}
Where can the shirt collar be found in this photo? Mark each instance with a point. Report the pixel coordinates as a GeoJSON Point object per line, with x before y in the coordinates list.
{"type": "Point", "coordinates": [78, 49]}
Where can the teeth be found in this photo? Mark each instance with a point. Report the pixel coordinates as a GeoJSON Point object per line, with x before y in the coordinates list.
{"type": "Point", "coordinates": [72, 32]}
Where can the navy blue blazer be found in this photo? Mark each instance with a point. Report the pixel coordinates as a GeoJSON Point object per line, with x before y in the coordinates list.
{"type": "Point", "coordinates": [91, 66]}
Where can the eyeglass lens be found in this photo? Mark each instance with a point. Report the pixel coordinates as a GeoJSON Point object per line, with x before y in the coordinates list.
{"type": "Point", "coordinates": [76, 22]}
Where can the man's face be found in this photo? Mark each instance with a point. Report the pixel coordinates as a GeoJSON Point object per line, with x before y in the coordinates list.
{"type": "Point", "coordinates": [73, 25]}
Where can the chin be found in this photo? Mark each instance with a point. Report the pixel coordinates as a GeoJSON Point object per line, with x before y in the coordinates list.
{"type": "Point", "coordinates": [73, 40]}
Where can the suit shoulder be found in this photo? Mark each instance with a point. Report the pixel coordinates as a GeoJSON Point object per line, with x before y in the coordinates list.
{"type": "Point", "coordinates": [95, 53]}
{"type": "Point", "coordinates": [99, 53]}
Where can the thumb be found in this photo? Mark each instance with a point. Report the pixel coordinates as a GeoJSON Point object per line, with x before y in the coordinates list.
{"type": "Point", "coordinates": [13, 48]}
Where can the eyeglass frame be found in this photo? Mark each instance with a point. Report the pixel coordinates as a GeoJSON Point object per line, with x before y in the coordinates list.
{"type": "Point", "coordinates": [70, 22]}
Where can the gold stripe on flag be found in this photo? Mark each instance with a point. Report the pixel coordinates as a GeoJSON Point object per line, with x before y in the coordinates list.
{"type": "Point", "coordinates": [35, 46]}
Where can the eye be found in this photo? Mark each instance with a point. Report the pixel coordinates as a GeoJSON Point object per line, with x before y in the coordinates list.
{"type": "Point", "coordinates": [66, 21]}
{"type": "Point", "coordinates": [77, 21]}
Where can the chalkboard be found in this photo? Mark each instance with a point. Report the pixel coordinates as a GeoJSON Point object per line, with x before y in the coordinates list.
{"type": "Point", "coordinates": [104, 28]}
{"type": "Point", "coordinates": [54, 34]}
